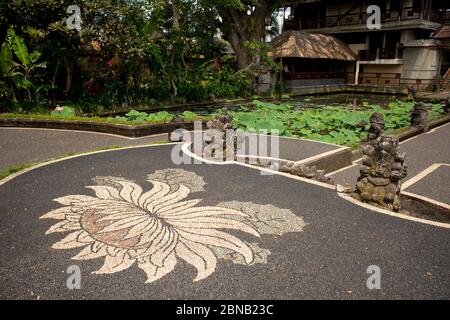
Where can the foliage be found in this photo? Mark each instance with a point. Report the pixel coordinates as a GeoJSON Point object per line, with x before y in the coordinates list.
{"type": "Point", "coordinates": [158, 117]}
{"type": "Point", "coordinates": [133, 115]}
{"type": "Point", "coordinates": [228, 84]}
{"type": "Point", "coordinates": [189, 115]}
{"type": "Point", "coordinates": [19, 72]}
{"type": "Point", "coordinates": [146, 51]}
{"type": "Point", "coordinates": [13, 169]}
{"type": "Point", "coordinates": [262, 50]}
{"type": "Point", "coordinates": [332, 124]}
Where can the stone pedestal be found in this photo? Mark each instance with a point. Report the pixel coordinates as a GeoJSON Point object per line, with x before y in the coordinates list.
{"type": "Point", "coordinates": [383, 166]}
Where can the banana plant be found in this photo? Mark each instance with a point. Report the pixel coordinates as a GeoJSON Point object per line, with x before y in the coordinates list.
{"type": "Point", "coordinates": [19, 72]}
{"type": "Point", "coordinates": [8, 68]}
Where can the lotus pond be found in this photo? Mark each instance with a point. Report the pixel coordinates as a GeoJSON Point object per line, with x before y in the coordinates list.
{"type": "Point", "coordinates": [338, 119]}
{"type": "Point", "coordinates": [339, 123]}
{"type": "Point", "coordinates": [334, 124]}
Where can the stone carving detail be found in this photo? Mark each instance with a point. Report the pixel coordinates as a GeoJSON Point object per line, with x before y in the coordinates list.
{"type": "Point", "coordinates": [304, 171]}
{"type": "Point", "coordinates": [419, 116]}
{"type": "Point", "coordinates": [223, 122]}
{"type": "Point", "coordinates": [383, 166]}
{"type": "Point", "coordinates": [221, 137]}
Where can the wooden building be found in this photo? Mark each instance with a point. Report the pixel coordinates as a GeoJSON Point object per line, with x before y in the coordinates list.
{"type": "Point", "coordinates": [403, 52]}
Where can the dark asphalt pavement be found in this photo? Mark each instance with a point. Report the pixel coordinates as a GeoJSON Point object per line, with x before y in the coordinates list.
{"type": "Point", "coordinates": [328, 260]}
{"type": "Point", "coordinates": [19, 145]}
{"type": "Point", "coordinates": [436, 185]}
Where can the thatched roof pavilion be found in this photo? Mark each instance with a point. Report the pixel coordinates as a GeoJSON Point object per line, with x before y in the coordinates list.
{"type": "Point", "coordinates": [296, 44]}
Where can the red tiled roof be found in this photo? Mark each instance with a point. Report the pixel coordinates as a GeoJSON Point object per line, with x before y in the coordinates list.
{"type": "Point", "coordinates": [443, 32]}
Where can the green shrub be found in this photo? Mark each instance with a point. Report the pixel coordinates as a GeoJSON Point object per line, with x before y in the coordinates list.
{"type": "Point", "coordinates": [189, 115]}
{"type": "Point", "coordinates": [228, 84]}
{"type": "Point", "coordinates": [137, 116]}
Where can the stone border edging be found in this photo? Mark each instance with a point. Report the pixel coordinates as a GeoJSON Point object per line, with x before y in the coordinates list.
{"type": "Point", "coordinates": [333, 161]}
{"type": "Point", "coordinates": [412, 132]}
{"type": "Point", "coordinates": [132, 131]}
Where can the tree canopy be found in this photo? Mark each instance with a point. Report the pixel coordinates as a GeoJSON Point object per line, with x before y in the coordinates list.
{"type": "Point", "coordinates": [145, 49]}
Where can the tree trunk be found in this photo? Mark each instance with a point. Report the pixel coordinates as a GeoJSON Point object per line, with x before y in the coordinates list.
{"type": "Point", "coordinates": [69, 75]}
{"type": "Point", "coordinates": [176, 15]}
{"type": "Point", "coordinates": [239, 28]}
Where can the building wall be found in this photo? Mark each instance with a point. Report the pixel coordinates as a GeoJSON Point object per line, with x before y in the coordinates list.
{"type": "Point", "coordinates": [355, 47]}
{"type": "Point", "coordinates": [421, 63]}
{"type": "Point", "coordinates": [290, 84]}
{"type": "Point", "coordinates": [407, 35]}
{"type": "Point", "coordinates": [380, 74]}
{"type": "Point", "coordinates": [382, 68]}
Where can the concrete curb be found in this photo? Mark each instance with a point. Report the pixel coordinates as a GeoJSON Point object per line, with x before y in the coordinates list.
{"type": "Point", "coordinates": [103, 127]}
{"type": "Point", "coordinates": [334, 161]}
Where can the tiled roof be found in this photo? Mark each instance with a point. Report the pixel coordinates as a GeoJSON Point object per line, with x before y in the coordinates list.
{"type": "Point", "coordinates": [296, 44]}
{"type": "Point", "coordinates": [443, 32]}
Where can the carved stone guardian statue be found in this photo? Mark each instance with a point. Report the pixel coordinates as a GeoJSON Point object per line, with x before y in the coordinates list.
{"type": "Point", "coordinates": [383, 166]}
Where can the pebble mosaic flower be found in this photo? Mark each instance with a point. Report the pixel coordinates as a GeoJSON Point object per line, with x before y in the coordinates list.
{"type": "Point", "coordinates": [125, 225]}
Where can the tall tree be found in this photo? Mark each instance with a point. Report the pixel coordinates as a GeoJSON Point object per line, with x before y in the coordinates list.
{"type": "Point", "coordinates": [244, 22]}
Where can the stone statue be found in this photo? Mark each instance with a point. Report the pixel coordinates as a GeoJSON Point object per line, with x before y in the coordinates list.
{"type": "Point", "coordinates": [219, 135]}
{"type": "Point", "coordinates": [383, 166]}
{"type": "Point", "coordinates": [223, 122]}
{"type": "Point", "coordinates": [376, 127]}
{"type": "Point", "coordinates": [419, 116]}
{"type": "Point", "coordinates": [412, 91]}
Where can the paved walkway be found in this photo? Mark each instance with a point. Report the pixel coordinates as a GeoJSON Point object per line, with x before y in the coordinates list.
{"type": "Point", "coordinates": [203, 232]}
{"type": "Point", "coordinates": [20, 145]}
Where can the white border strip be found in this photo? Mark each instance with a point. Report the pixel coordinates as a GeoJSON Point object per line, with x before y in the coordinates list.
{"type": "Point", "coordinates": [422, 175]}
{"type": "Point", "coordinates": [321, 155]}
{"type": "Point", "coordinates": [318, 156]}
{"type": "Point", "coordinates": [289, 138]}
{"type": "Point", "coordinates": [356, 162]}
